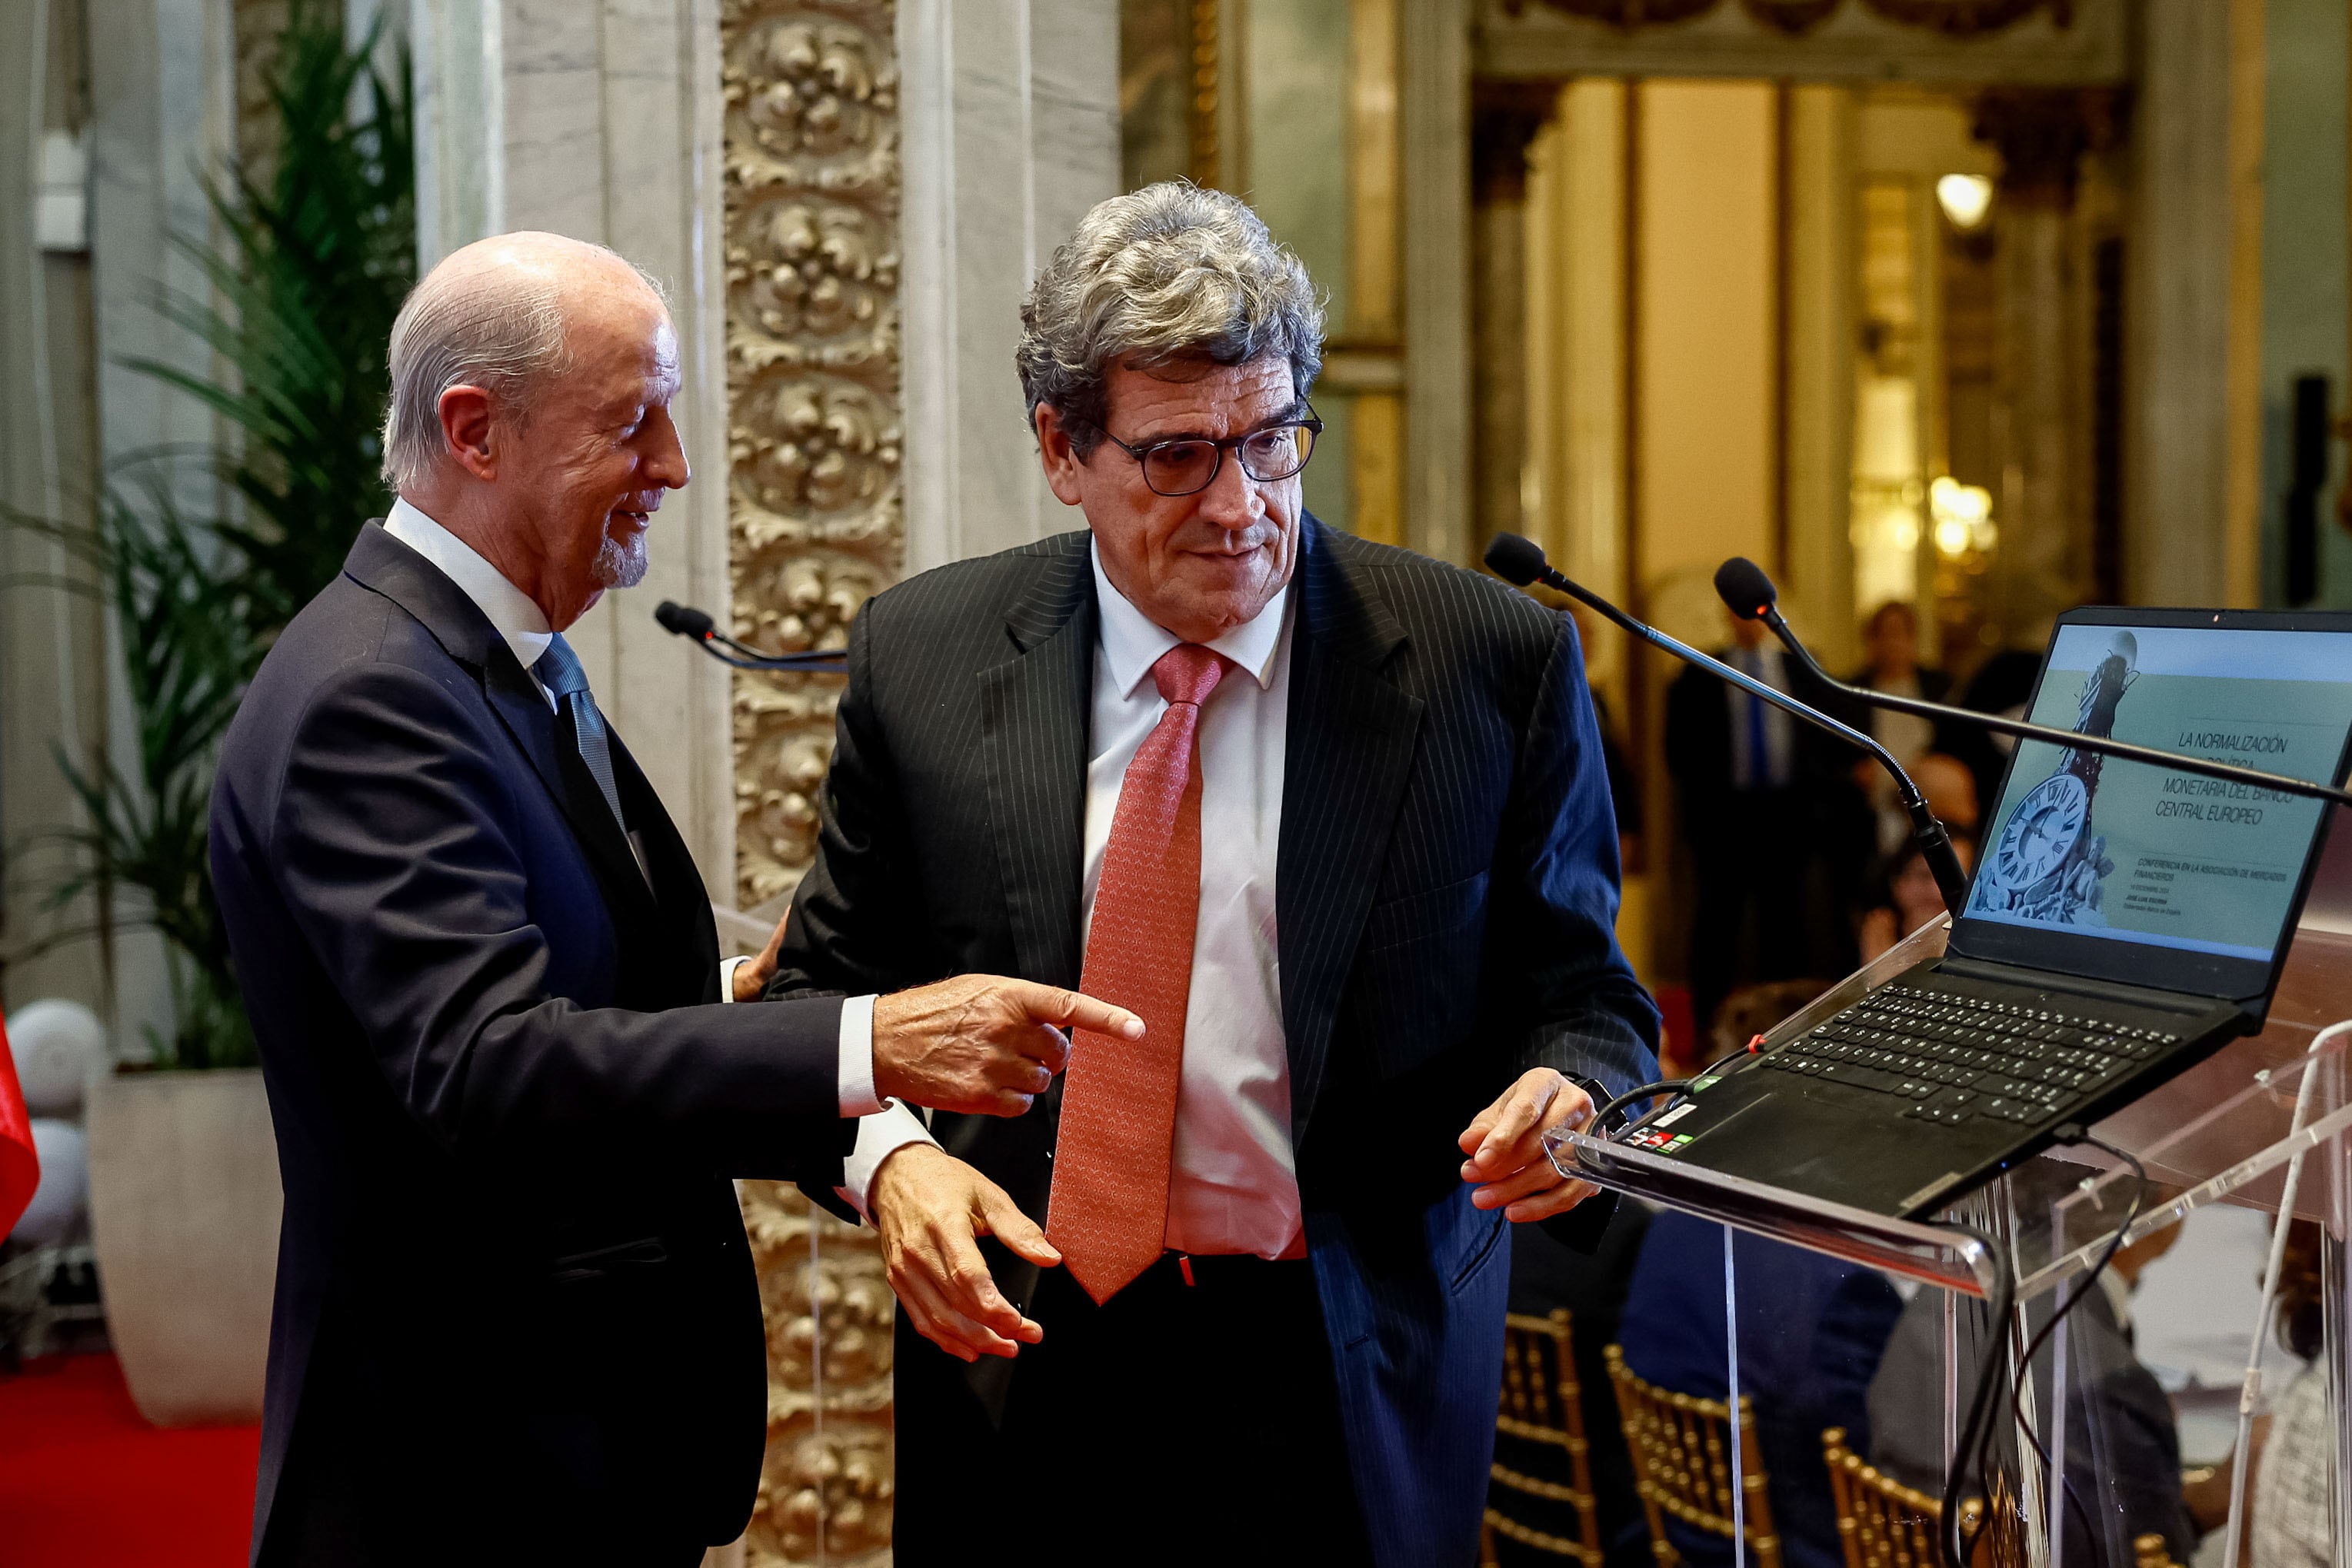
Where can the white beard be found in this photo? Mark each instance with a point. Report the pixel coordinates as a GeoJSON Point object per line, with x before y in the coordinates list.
{"type": "Point", "coordinates": [619, 565]}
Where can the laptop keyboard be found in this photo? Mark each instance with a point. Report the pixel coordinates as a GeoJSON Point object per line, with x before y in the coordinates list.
{"type": "Point", "coordinates": [1954, 1057]}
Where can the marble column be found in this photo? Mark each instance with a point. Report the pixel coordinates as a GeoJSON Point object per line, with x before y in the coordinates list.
{"type": "Point", "coordinates": [1505, 119]}
{"type": "Point", "coordinates": [163, 114]}
{"type": "Point", "coordinates": [2178, 357]}
{"type": "Point", "coordinates": [1433, 86]}
{"type": "Point", "coordinates": [2041, 418]}
{"type": "Point", "coordinates": [1009, 116]}
{"type": "Point", "coordinates": [52, 639]}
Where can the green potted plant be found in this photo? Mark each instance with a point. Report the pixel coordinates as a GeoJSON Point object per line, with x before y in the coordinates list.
{"type": "Point", "coordinates": [314, 256]}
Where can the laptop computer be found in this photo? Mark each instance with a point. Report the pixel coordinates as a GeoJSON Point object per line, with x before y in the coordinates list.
{"type": "Point", "coordinates": [2123, 923]}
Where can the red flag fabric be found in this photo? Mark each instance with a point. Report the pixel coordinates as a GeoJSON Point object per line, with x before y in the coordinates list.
{"type": "Point", "coordinates": [20, 1167]}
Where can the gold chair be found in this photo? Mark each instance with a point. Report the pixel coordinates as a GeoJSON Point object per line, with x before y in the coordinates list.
{"type": "Point", "coordinates": [1681, 1464]}
{"type": "Point", "coordinates": [1882, 1523]}
{"type": "Point", "coordinates": [2152, 1553]}
{"type": "Point", "coordinates": [1543, 1405]}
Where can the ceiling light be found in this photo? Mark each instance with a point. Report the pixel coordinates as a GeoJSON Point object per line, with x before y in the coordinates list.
{"type": "Point", "coordinates": [1965, 198]}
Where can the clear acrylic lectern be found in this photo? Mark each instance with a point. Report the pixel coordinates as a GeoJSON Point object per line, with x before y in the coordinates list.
{"type": "Point", "coordinates": [2257, 1126]}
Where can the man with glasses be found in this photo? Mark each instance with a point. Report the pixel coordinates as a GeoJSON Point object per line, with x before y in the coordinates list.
{"type": "Point", "coordinates": [1332, 818]}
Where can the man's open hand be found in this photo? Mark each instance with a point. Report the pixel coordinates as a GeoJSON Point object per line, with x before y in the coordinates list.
{"type": "Point", "coordinates": [927, 1206]}
{"type": "Point", "coordinates": [752, 975]}
{"type": "Point", "coordinates": [983, 1044]}
{"type": "Point", "coordinates": [1505, 1143]}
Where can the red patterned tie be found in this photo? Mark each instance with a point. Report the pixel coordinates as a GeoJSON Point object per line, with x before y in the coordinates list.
{"type": "Point", "coordinates": [1109, 1211]}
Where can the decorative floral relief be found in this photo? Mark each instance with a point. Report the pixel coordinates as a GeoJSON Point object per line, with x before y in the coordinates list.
{"type": "Point", "coordinates": [826, 1484]}
{"type": "Point", "coordinates": [814, 439]}
{"type": "Point", "coordinates": [817, 524]}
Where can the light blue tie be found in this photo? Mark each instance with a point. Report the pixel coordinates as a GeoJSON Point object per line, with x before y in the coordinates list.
{"type": "Point", "coordinates": [559, 671]}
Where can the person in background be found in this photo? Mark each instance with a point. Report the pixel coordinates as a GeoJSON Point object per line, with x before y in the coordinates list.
{"type": "Point", "coordinates": [1907, 899]}
{"type": "Point", "coordinates": [1547, 1274]}
{"type": "Point", "coordinates": [2002, 684]}
{"type": "Point", "coordinates": [1811, 1328]}
{"type": "Point", "coordinates": [1779, 838]}
{"type": "Point", "coordinates": [2294, 1467]}
{"type": "Point", "coordinates": [2123, 1448]}
{"type": "Point", "coordinates": [1750, 1012]}
{"type": "Point", "coordinates": [1810, 1331]}
{"type": "Point", "coordinates": [1890, 639]}
{"type": "Point", "coordinates": [1625, 783]}
{"type": "Point", "coordinates": [1905, 896]}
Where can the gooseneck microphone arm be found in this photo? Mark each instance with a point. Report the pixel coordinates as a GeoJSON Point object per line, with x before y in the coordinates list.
{"type": "Point", "coordinates": [1520, 560]}
{"type": "Point", "coordinates": [1750, 595]}
{"type": "Point", "coordinates": [697, 627]}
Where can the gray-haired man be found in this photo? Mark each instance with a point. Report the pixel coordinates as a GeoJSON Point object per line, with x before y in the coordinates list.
{"type": "Point", "coordinates": [1333, 819]}
{"type": "Point", "coordinates": [516, 1318]}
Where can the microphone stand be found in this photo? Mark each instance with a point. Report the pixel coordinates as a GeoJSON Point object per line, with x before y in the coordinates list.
{"type": "Point", "coordinates": [1511, 556]}
{"type": "Point", "coordinates": [1768, 612]}
{"type": "Point", "coordinates": [697, 627]}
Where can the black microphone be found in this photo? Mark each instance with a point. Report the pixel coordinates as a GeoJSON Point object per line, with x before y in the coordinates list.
{"type": "Point", "coordinates": [1749, 594]}
{"type": "Point", "coordinates": [1521, 562]}
{"type": "Point", "coordinates": [684, 621]}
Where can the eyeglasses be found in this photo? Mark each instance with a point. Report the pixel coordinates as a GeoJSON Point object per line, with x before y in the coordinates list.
{"type": "Point", "coordinates": [1192, 464]}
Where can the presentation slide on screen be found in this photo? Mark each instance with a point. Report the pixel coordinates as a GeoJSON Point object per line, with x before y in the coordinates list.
{"type": "Point", "coordinates": [2121, 850]}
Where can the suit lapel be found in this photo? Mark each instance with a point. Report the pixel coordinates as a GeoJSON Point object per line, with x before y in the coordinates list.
{"type": "Point", "coordinates": [686, 924]}
{"type": "Point", "coordinates": [1349, 749]}
{"type": "Point", "coordinates": [1034, 715]}
{"type": "Point", "coordinates": [384, 565]}
{"type": "Point", "coordinates": [516, 699]}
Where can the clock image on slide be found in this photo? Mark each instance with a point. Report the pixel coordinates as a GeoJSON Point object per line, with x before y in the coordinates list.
{"type": "Point", "coordinates": [2041, 834]}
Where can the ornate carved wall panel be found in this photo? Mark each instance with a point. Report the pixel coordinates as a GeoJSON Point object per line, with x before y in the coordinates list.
{"type": "Point", "coordinates": [825, 1488]}
{"type": "Point", "coordinates": [816, 523]}
{"type": "Point", "coordinates": [816, 502]}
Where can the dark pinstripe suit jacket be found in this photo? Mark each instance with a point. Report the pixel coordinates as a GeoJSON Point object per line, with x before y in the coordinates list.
{"type": "Point", "coordinates": [1446, 890]}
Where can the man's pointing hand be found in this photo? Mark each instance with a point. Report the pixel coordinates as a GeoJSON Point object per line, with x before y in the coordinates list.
{"type": "Point", "coordinates": [983, 1044]}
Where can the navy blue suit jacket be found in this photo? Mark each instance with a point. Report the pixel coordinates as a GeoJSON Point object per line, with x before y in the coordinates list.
{"type": "Point", "coordinates": [1446, 893]}
{"type": "Point", "coordinates": [516, 1316]}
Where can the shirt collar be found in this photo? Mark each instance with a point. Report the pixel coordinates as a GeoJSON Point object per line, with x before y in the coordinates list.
{"type": "Point", "coordinates": [510, 610]}
{"type": "Point", "coordinates": [1133, 642]}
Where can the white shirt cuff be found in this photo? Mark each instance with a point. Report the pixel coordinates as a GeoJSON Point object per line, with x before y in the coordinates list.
{"type": "Point", "coordinates": [726, 968]}
{"type": "Point", "coordinates": [857, 1079]}
{"type": "Point", "coordinates": [878, 1138]}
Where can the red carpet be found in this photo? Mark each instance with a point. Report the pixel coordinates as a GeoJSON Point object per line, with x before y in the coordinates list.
{"type": "Point", "coordinates": [86, 1483]}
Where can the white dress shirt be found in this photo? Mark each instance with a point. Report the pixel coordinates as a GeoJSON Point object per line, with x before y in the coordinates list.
{"type": "Point", "coordinates": [519, 621]}
{"type": "Point", "coordinates": [1233, 1183]}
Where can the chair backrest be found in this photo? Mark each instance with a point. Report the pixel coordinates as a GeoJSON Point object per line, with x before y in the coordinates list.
{"type": "Point", "coordinates": [1884, 1524]}
{"type": "Point", "coordinates": [2152, 1553]}
{"type": "Point", "coordinates": [1543, 1409]}
{"type": "Point", "coordinates": [1880, 1522]}
{"type": "Point", "coordinates": [1681, 1464]}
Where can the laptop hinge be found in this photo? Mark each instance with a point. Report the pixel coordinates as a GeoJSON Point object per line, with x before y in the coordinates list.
{"type": "Point", "coordinates": [2076, 985]}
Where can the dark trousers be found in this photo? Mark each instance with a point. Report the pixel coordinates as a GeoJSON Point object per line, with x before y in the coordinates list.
{"type": "Point", "coordinates": [1176, 1423]}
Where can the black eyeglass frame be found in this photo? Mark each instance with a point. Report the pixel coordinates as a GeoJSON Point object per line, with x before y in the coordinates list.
{"type": "Point", "coordinates": [1312, 424]}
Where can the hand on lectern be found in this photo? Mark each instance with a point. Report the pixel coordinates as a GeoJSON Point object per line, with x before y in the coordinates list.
{"type": "Point", "coordinates": [1507, 1164]}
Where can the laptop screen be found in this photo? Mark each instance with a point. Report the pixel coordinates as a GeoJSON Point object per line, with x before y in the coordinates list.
{"type": "Point", "coordinates": [2124, 871]}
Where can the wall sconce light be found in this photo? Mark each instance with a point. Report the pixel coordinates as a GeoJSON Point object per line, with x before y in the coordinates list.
{"type": "Point", "coordinates": [1966, 200]}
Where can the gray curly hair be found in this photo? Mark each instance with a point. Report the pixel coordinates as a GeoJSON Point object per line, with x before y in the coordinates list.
{"type": "Point", "coordinates": [1167, 273]}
